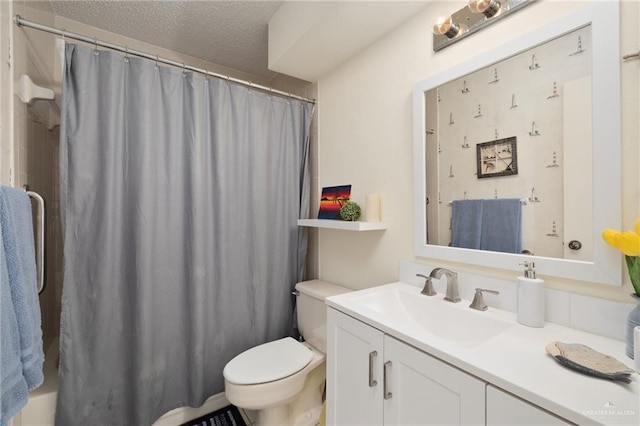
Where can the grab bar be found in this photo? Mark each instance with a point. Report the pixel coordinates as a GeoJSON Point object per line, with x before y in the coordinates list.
{"type": "Point", "coordinates": [39, 238]}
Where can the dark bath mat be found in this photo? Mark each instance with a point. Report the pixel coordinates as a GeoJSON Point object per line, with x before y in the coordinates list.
{"type": "Point", "coordinates": [227, 416]}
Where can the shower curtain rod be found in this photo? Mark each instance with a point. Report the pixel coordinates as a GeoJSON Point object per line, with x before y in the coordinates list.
{"type": "Point", "coordinates": [21, 22]}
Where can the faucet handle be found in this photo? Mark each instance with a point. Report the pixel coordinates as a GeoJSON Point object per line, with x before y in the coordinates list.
{"type": "Point", "coordinates": [478, 299]}
{"type": "Point", "coordinates": [428, 289]}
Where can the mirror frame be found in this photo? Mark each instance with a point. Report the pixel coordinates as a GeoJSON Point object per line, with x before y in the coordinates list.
{"type": "Point", "coordinates": [606, 265]}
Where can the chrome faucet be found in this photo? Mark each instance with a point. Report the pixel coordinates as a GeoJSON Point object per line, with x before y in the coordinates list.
{"type": "Point", "coordinates": [478, 301]}
{"type": "Point", "coordinates": [452, 294]}
{"type": "Point", "coordinates": [428, 286]}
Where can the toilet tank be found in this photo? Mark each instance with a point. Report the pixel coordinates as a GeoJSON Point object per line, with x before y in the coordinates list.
{"type": "Point", "coordinates": [312, 312]}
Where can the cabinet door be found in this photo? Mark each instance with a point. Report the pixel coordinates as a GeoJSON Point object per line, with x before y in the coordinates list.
{"type": "Point", "coordinates": [426, 391]}
{"type": "Point", "coordinates": [508, 410]}
{"type": "Point", "coordinates": [354, 371]}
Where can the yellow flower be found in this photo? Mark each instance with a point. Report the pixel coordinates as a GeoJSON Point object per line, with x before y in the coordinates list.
{"type": "Point", "coordinates": [610, 236]}
{"type": "Point", "coordinates": [628, 242]}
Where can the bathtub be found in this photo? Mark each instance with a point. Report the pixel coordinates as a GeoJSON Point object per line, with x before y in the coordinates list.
{"type": "Point", "coordinates": [41, 407]}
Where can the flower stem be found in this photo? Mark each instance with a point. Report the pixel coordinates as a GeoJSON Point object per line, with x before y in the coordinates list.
{"type": "Point", "coordinates": [633, 264]}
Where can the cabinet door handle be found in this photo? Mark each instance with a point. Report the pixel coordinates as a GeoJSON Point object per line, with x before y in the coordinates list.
{"type": "Point", "coordinates": [387, 369]}
{"type": "Point", "coordinates": [372, 355]}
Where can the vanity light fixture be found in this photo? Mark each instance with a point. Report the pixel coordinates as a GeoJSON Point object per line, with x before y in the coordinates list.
{"type": "Point", "coordinates": [488, 8]}
{"type": "Point", "coordinates": [445, 26]}
{"type": "Point", "coordinates": [475, 15]}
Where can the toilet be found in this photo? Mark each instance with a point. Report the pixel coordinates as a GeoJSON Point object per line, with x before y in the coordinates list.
{"type": "Point", "coordinates": [284, 380]}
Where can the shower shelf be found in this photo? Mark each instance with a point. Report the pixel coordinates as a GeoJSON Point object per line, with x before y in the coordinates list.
{"type": "Point", "coordinates": [342, 224]}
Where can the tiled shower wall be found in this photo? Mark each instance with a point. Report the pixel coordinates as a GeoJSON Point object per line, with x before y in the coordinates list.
{"type": "Point", "coordinates": [6, 97]}
{"type": "Point", "coordinates": [38, 168]}
{"type": "Point", "coordinates": [35, 153]}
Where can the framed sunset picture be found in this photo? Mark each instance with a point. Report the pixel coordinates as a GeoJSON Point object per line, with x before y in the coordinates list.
{"type": "Point", "coordinates": [332, 200]}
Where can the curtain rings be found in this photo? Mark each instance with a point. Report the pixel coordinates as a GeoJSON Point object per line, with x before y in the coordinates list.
{"type": "Point", "coordinates": [184, 73]}
{"type": "Point", "coordinates": [126, 53]}
{"type": "Point", "coordinates": [157, 59]}
{"type": "Point", "coordinates": [95, 46]}
{"type": "Point", "coordinates": [64, 35]}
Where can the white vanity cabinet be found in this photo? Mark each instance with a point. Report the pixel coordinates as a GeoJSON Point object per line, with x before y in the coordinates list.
{"type": "Point", "coordinates": [504, 409]}
{"type": "Point", "coordinates": [354, 371]}
{"type": "Point", "coordinates": [375, 379]}
{"type": "Point", "coordinates": [448, 364]}
{"type": "Point", "coordinates": [427, 391]}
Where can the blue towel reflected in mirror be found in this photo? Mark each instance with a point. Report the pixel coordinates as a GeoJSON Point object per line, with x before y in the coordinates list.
{"type": "Point", "coordinates": [489, 224]}
{"type": "Point", "coordinates": [466, 223]}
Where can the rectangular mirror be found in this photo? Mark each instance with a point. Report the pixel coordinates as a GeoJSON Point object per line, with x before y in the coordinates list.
{"type": "Point", "coordinates": [535, 123]}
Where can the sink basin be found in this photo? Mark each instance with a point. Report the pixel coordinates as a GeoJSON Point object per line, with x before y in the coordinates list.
{"type": "Point", "coordinates": [454, 322]}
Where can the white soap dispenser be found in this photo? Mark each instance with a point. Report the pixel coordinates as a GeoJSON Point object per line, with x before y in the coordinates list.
{"type": "Point", "coordinates": [530, 297]}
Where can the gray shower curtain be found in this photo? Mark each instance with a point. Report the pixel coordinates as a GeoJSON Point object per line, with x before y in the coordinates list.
{"type": "Point", "coordinates": [179, 197]}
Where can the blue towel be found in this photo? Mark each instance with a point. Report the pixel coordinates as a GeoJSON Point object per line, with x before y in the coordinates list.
{"type": "Point", "coordinates": [466, 223]}
{"type": "Point", "coordinates": [13, 389]}
{"type": "Point", "coordinates": [501, 219]}
{"type": "Point", "coordinates": [22, 355]}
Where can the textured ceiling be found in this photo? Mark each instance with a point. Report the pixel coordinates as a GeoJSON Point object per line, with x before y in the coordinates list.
{"type": "Point", "coordinates": [228, 33]}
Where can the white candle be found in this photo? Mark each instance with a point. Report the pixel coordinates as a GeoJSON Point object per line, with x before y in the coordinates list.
{"type": "Point", "coordinates": [372, 208]}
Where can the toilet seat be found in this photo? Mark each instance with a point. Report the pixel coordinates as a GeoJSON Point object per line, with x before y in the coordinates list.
{"type": "Point", "coordinates": [268, 362]}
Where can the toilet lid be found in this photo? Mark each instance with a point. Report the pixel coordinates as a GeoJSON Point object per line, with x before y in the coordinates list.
{"type": "Point", "coordinates": [268, 362]}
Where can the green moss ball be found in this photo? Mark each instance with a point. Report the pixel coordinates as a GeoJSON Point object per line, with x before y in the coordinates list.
{"type": "Point", "coordinates": [350, 211]}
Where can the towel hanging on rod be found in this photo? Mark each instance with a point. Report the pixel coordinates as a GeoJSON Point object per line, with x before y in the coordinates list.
{"type": "Point", "coordinates": [21, 350]}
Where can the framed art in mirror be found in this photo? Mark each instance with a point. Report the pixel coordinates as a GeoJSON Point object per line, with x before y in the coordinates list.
{"type": "Point", "coordinates": [497, 158]}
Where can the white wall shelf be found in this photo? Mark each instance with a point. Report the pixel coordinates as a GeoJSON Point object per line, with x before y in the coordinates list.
{"type": "Point", "coordinates": [343, 224]}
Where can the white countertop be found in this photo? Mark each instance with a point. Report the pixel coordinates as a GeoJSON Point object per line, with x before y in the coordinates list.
{"type": "Point", "coordinates": [516, 361]}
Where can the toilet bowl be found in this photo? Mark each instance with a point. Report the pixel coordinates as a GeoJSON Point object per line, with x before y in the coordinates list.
{"type": "Point", "coordinates": [272, 396]}
{"type": "Point", "coordinates": [283, 380]}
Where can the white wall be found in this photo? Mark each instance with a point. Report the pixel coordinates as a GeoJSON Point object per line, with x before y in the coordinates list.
{"type": "Point", "coordinates": [365, 138]}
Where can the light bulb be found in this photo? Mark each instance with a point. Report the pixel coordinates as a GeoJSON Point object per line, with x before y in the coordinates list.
{"type": "Point", "coordinates": [488, 8]}
{"type": "Point", "coordinates": [445, 26]}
